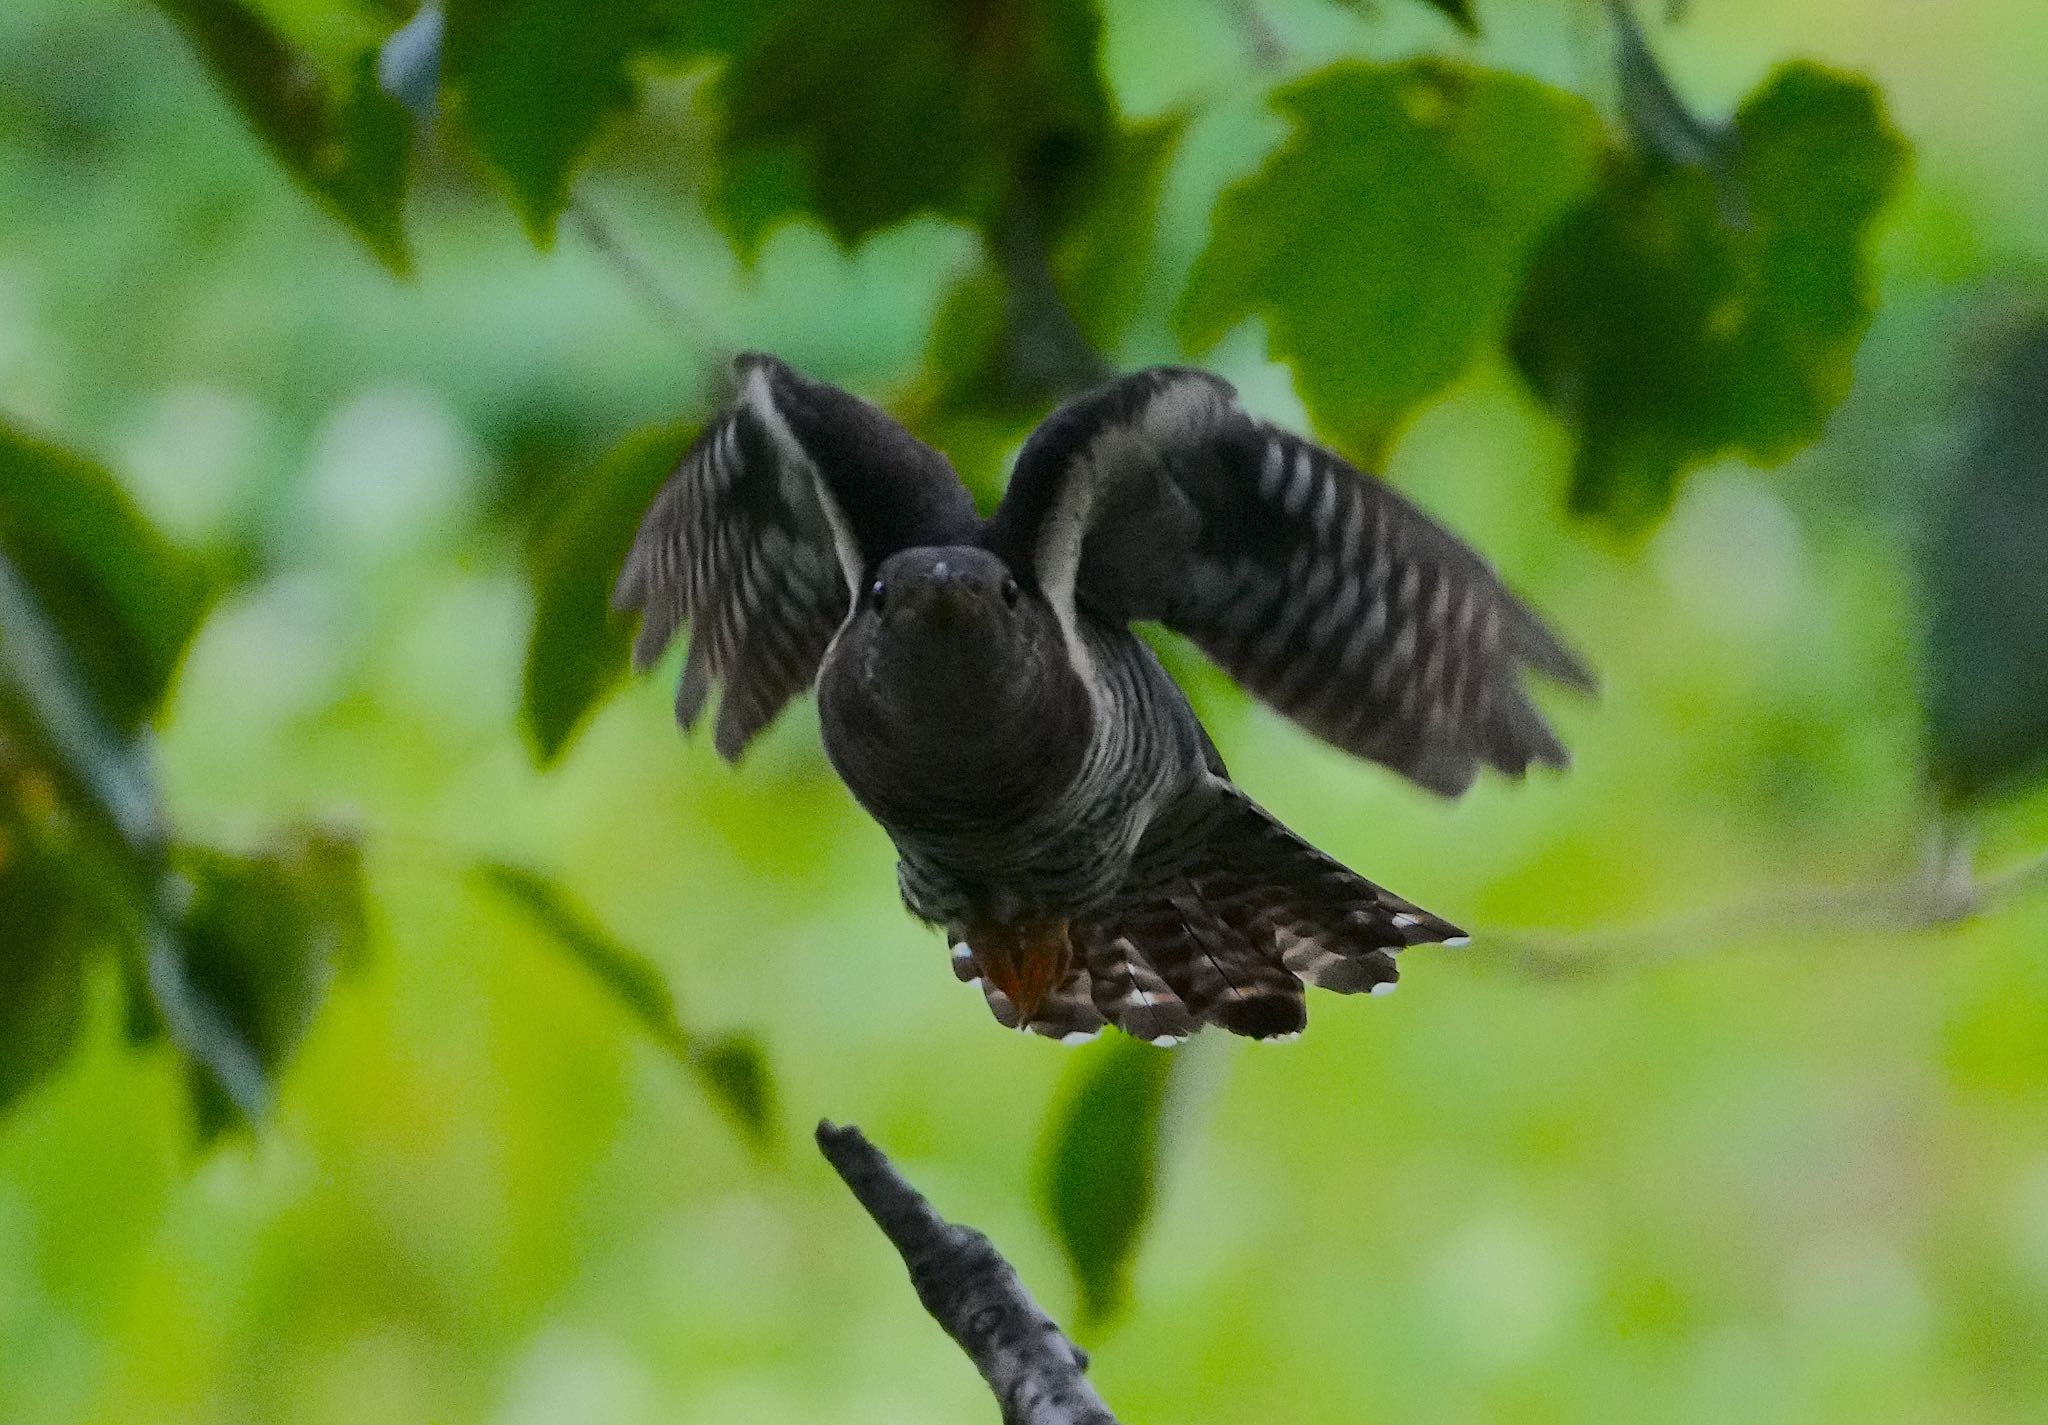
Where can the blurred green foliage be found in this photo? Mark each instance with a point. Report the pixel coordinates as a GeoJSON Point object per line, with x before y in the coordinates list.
{"type": "Point", "coordinates": [1100, 1169]}
{"type": "Point", "coordinates": [1692, 308]}
{"type": "Point", "coordinates": [303, 571]}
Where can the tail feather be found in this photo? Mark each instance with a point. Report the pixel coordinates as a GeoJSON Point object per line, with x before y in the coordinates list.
{"type": "Point", "coordinates": [1234, 921]}
{"type": "Point", "coordinates": [1069, 1012]}
{"type": "Point", "coordinates": [1130, 994]}
{"type": "Point", "coordinates": [1227, 916]}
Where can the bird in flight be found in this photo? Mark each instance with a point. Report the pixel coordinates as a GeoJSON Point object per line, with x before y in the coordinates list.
{"type": "Point", "coordinates": [1055, 804]}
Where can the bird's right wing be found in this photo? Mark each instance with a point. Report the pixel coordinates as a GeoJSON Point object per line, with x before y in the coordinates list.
{"type": "Point", "coordinates": [1316, 586]}
{"type": "Point", "coordinates": [776, 516]}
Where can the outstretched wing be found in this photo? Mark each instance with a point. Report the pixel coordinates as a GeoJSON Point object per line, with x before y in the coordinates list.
{"type": "Point", "coordinates": [759, 539]}
{"type": "Point", "coordinates": [1317, 587]}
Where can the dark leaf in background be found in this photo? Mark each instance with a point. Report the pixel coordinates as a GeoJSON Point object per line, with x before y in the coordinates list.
{"type": "Point", "coordinates": [247, 964]}
{"type": "Point", "coordinates": [1384, 242]}
{"type": "Point", "coordinates": [578, 645]}
{"type": "Point", "coordinates": [864, 115]}
{"type": "Point", "coordinates": [1460, 12]}
{"type": "Point", "coordinates": [1099, 1164]}
{"type": "Point", "coordinates": [345, 140]}
{"type": "Point", "coordinates": [1016, 337]}
{"type": "Point", "coordinates": [1102, 254]}
{"type": "Point", "coordinates": [121, 598]}
{"type": "Point", "coordinates": [1985, 570]}
{"type": "Point", "coordinates": [730, 1068]}
{"type": "Point", "coordinates": [43, 936]}
{"type": "Point", "coordinates": [49, 711]}
{"type": "Point", "coordinates": [534, 84]}
{"type": "Point", "coordinates": [1666, 334]}
{"type": "Point", "coordinates": [734, 1071]}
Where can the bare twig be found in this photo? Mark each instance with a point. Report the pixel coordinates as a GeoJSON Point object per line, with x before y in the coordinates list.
{"type": "Point", "coordinates": [666, 305]}
{"type": "Point", "coordinates": [1037, 1374]}
{"type": "Point", "coordinates": [1267, 49]}
{"type": "Point", "coordinates": [1943, 891]}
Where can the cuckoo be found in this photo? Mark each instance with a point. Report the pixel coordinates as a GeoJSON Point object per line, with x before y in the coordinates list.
{"type": "Point", "coordinates": [1055, 804]}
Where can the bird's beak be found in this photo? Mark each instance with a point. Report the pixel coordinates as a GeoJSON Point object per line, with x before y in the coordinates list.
{"type": "Point", "coordinates": [1025, 964]}
{"type": "Point", "coordinates": [947, 607]}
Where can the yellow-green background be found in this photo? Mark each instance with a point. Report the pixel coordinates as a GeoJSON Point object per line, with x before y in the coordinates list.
{"type": "Point", "coordinates": [1794, 1178]}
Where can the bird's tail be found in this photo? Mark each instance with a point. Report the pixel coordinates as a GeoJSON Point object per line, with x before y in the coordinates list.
{"type": "Point", "coordinates": [1227, 916]}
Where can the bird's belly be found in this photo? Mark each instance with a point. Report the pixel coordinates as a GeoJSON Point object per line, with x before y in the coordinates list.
{"type": "Point", "coordinates": [1049, 871]}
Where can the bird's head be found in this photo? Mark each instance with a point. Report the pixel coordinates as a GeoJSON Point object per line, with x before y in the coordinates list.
{"type": "Point", "coordinates": [947, 658]}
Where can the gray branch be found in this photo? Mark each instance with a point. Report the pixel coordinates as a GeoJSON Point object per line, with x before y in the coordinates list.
{"type": "Point", "coordinates": [1945, 890]}
{"type": "Point", "coordinates": [1037, 1374]}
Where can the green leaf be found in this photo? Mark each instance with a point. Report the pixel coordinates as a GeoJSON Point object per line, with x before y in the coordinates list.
{"type": "Point", "coordinates": [1099, 1164]}
{"type": "Point", "coordinates": [42, 955]}
{"type": "Point", "coordinates": [47, 707]}
{"type": "Point", "coordinates": [730, 1068]}
{"type": "Point", "coordinates": [245, 967]}
{"type": "Point", "coordinates": [864, 115]}
{"type": "Point", "coordinates": [578, 646]}
{"type": "Point", "coordinates": [1667, 330]}
{"type": "Point", "coordinates": [1383, 243]}
{"type": "Point", "coordinates": [536, 82]}
{"type": "Point", "coordinates": [1985, 570]}
{"type": "Point", "coordinates": [347, 142]}
{"type": "Point", "coordinates": [1460, 12]}
{"type": "Point", "coordinates": [121, 598]}
{"type": "Point", "coordinates": [734, 1071]}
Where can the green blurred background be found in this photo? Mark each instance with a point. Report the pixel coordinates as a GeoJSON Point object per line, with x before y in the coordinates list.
{"type": "Point", "coordinates": [1759, 1176]}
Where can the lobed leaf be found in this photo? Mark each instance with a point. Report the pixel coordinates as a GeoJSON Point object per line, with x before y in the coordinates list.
{"type": "Point", "coordinates": [1384, 241]}
{"type": "Point", "coordinates": [1098, 1164]}
{"type": "Point", "coordinates": [534, 84]}
{"type": "Point", "coordinates": [864, 115]}
{"type": "Point", "coordinates": [1668, 326]}
{"type": "Point", "coordinates": [347, 143]}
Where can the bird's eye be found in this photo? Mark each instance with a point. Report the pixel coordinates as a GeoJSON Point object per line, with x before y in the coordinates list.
{"type": "Point", "coordinates": [878, 593]}
{"type": "Point", "coordinates": [1010, 591]}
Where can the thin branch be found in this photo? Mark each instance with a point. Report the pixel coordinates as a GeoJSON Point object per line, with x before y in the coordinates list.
{"type": "Point", "coordinates": [1264, 44]}
{"type": "Point", "coordinates": [1942, 892]}
{"type": "Point", "coordinates": [662, 301]}
{"type": "Point", "coordinates": [1037, 1374]}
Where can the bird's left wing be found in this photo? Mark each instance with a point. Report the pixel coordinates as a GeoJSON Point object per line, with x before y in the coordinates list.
{"type": "Point", "coordinates": [1317, 587]}
{"type": "Point", "coordinates": [774, 518]}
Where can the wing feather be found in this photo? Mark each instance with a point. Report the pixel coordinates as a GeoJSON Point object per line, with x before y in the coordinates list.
{"type": "Point", "coordinates": [1317, 587]}
{"type": "Point", "coordinates": [774, 517]}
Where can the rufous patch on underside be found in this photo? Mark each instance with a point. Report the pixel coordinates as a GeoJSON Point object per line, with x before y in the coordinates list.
{"type": "Point", "coordinates": [1025, 962]}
